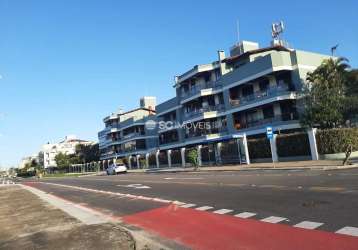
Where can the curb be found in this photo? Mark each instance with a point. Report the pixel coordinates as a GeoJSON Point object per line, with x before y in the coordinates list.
{"type": "Point", "coordinates": [325, 168]}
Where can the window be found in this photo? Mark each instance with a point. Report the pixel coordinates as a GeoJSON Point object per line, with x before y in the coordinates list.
{"type": "Point", "coordinates": [268, 112]}
{"type": "Point", "coordinates": [247, 90]}
{"type": "Point", "coordinates": [264, 84]}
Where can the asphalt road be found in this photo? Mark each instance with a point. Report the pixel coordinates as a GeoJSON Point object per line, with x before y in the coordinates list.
{"type": "Point", "coordinates": [328, 197]}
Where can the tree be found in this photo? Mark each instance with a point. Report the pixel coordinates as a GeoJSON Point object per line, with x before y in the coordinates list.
{"type": "Point", "coordinates": [351, 101]}
{"type": "Point", "coordinates": [41, 158]}
{"type": "Point", "coordinates": [62, 160]}
{"type": "Point", "coordinates": [324, 94]}
{"type": "Point", "coordinates": [193, 157]}
{"type": "Point", "coordinates": [87, 153]}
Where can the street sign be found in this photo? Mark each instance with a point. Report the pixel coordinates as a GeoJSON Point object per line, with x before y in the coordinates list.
{"type": "Point", "coordinates": [269, 133]}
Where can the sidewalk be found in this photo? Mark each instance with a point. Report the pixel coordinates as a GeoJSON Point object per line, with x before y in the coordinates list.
{"type": "Point", "coordinates": [293, 165]}
{"type": "Point", "coordinates": [27, 222]}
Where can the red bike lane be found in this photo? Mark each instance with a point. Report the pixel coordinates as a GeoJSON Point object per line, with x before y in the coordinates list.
{"type": "Point", "coordinates": [205, 230]}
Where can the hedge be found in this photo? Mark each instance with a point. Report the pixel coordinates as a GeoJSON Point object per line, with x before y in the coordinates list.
{"type": "Point", "coordinates": [296, 144]}
{"type": "Point", "coordinates": [332, 141]}
{"type": "Point", "coordinates": [259, 148]}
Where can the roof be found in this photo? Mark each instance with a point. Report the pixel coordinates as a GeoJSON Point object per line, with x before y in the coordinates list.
{"type": "Point", "coordinates": [252, 52]}
{"type": "Point", "coordinates": [127, 112]}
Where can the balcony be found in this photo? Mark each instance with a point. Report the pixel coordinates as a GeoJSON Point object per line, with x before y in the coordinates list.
{"type": "Point", "coordinates": [200, 111]}
{"type": "Point", "coordinates": [198, 87]}
{"type": "Point", "coordinates": [132, 135]}
{"type": "Point", "coordinates": [260, 95]}
{"type": "Point", "coordinates": [132, 149]}
{"type": "Point", "coordinates": [206, 133]}
{"type": "Point", "coordinates": [264, 122]}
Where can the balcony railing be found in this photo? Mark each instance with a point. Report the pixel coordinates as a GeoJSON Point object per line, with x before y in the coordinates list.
{"type": "Point", "coordinates": [198, 87]}
{"type": "Point", "coordinates": [271, 120]}
{"type": "Point", "coordinates": [260, 95]}
{"type": "Point", "coordinates": [131, 135]}
{"type": "Point", "coordinates": [199, 111]}
{"type": "Point", "coordinates": [201, 133]}
{"type": "Point", "coordinates": [168, 141]}
{"type": "Point", "coordinates": [132, 149]}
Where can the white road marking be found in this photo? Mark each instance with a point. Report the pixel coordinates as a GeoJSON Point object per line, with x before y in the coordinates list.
{"type": "Point", "coordinates": [179, 203]}
{"type": "Point", "coordinates": [136, 186]}
{"type": "Point", "coordinates": [308, 224]}
{"type": "Point", "coordinates": [352, 231]}
{"type": "Point", "coordinates": [203, 208]}
{"type": "Point", "coordinates": [273, 219]}
{"type": "Point", "coordinates": [188, 205]}
{"type": "Point", "coordinates": [183, 178]}
{"type": "Point", "coordinates": [245, 215]}
{"type": "Point", "coordinates": [223, 211]}
{"type": "Point", "coordinates": [162, 200]}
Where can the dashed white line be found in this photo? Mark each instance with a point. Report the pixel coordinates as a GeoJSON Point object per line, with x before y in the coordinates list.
{"type": "Point", "coordinates": [308, 224]}
{"type": "Point", "coordinates": [352, 231]}
{"type": "Point", "coordinates": [179, 203]}
{"type": "Point", "coordinates": [222, 211]}
{"type": "Point", "coordinates": [273, 219]}
{"type": "Point", "coordinates": [203, 208]}
{"type": "Point", "coordinates": [245, 215]}
{"type": "Point", "coordinates": [188, 205]}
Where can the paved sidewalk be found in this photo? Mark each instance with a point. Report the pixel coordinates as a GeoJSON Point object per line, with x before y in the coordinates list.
{"type": "Point", "coordinates": [27, 222]}
{"type": "Point", "coordinates": [293, 165]}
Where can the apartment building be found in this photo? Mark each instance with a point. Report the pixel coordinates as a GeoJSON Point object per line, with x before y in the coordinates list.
{"type": "Point", "coordinates": [28, 160]}
{"type": "Point", "coordinates": [66, 146]}
{"type": "Point", "coordinates": [126, 135]}
{"type": "Point", "coordinates": [219, 104]}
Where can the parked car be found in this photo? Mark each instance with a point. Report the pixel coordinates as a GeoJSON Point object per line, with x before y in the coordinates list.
{"type": "Point", "coordinates": [116, 169]}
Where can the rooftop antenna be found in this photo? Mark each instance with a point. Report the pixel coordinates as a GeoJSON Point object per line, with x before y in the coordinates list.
{"type": "Point", "coordinates": [334, 48]}
{"type": "Point", "coordinates": [238, 30]}
{"type": "Point", "coordinates": [276, 31]}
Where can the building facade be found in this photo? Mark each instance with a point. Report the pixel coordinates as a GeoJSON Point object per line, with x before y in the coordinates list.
{"type": "Point", "coordinates": [67, 146]}
{"type": "Point", "coordinates": [128, 135]}
{"type": "Point", "coordinates": [28, 160]}
{"type": "Point", "coordinates": [219, 104]}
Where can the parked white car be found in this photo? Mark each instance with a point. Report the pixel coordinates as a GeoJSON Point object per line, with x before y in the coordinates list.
{"type": "Point", "coordinates": [116, 169]}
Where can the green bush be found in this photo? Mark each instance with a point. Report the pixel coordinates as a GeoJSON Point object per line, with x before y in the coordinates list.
{"type": "Point", "coordinates": [296, 144]}
{"type": "Point", "coordinates": [192, 156]}
{"type": "Point", "coordinates": [332, 141]}
{"type": "Point", "coordinates": [259, 148]}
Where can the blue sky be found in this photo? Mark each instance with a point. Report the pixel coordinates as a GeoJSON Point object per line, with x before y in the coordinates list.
{"type": "Point", "coordinates": [65, 65]}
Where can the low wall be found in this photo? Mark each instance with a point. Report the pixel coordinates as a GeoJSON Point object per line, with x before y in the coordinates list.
{"type": "Point", "coordinates": [339, 156]}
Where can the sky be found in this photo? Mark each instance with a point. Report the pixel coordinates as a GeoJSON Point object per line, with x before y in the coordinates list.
{"type": "Point", "coordinates": [65, 65]}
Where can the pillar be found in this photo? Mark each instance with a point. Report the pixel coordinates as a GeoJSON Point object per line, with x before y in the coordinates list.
{"type": "Point", "coordinates": [147, 160]}
{"type": "Point", "coordinates": [169, 156]}
{"type": "Point", "coordinates": [274, 148]}
{"type": "Point", "coordinates": [198, 149]}
{"type": "Point", "coordinates": [218, 153]}
{"type": "Point", "coordinates": [313, 143]}
{"type": "Point", "coordinates": [130, 162]}
{"type": "Point", "coordinates": [182, 153]}
{"type": "Point", "coordinates": [157, 157]}
{"type": "Point", "coordinates": [246, 149]}
{"type": "Point", "coordinates": [138, 162]}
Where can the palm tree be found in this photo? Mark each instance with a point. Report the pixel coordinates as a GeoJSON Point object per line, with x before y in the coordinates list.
{"type": "Point", "coordinates": [325, 94]}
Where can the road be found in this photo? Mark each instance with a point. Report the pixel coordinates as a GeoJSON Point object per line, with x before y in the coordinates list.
{"type": "Point", "coordinates": [319, 201]}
